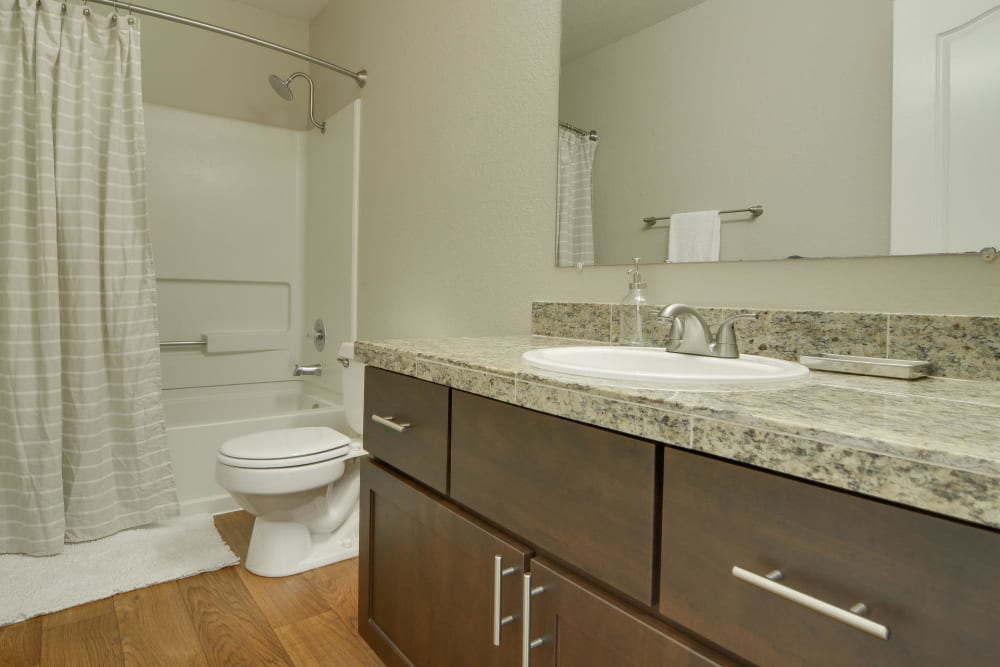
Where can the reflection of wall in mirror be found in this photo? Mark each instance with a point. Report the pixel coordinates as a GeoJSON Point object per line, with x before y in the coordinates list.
{"type": "Point", "coordinates": [733, 103]}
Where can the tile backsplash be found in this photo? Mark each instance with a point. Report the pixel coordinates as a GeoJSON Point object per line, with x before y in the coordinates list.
{"type": "Point", "coordinates": [957, 346]}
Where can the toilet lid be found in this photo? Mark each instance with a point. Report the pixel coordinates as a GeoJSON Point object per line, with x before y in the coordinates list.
{"type": "Point", "coordinates": [285, 447]}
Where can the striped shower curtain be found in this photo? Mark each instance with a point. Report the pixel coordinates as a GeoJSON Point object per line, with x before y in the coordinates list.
{"type": "Point", "coordinates": [574, 202]}
{"type": "Point", "coordinates": [82, 443]}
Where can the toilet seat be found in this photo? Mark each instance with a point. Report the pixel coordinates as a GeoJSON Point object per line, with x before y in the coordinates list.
{"type": "Point", "coordinates": [284, 448]}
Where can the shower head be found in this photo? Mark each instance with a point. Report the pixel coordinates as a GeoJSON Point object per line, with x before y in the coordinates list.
{"type": "Point", "coordinates": [281, 86]}
{"type": "Point", "coordinates": [284, 88]}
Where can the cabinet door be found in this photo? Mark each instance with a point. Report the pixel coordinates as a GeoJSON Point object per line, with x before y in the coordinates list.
{"type": "Point", "coordinates": [427, 570]}
{"type": "Point", "coordinates": [579, 626]}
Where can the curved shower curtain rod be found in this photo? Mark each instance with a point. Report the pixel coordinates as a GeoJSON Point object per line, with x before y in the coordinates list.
{"type": "Point", "coordinates": [361, 76]}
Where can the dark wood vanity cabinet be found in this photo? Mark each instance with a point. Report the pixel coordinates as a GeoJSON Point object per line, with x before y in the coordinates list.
{"type": "Point", "coordinates": [642, 554]}
{"type": "Point", "coordinates": [934, 584]}
{"type": "Point", "coordinates": [427, 573]}
{"type": "Point", "coordinates": [521, 484]}
{"type": "Point", "coordinates": [580, 626]}
{"type": "Point", "coordinates": [426, 594]}
{"type": "Point", "coordinates": [407, 425]}
{"type": "Point", "coordinates": [585, 495]}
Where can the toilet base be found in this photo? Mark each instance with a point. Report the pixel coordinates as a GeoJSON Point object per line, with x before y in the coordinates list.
{"type": "Point", "coordinates": [282, 548]}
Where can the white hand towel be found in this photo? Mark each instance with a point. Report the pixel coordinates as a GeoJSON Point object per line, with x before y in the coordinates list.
{"type": "Point", "coordinates": [694, 237]}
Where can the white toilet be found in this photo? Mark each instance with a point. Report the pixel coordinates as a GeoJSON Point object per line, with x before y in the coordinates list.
{"type": "Point", "coordinates": [302, 484]}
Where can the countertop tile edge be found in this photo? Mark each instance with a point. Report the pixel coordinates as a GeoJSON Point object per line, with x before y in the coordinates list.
{"type": "Point", "coordinates": [879, 464]}
{"type": "Point", "coordinates": [960, 494]}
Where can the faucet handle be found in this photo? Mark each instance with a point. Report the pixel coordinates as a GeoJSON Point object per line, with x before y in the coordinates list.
{"type": "Point", "coordinates": [725, 339]}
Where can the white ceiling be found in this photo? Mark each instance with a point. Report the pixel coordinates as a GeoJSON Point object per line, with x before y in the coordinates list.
{"type": "Point", "coordinates": [304, 10]}
{"type": "Point", "coordinates": [590, 24]}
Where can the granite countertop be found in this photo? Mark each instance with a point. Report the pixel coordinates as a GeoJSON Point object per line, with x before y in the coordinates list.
{"type": "Point", "coordinates": [932, 444]}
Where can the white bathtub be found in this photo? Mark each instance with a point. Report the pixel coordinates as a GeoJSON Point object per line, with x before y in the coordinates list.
{"type": "Point", "coordinates": [199, 420]}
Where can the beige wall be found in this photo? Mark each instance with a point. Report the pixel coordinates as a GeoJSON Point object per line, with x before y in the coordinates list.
{"type": "Point", "coordinates": [200, 71]}
{"type": "Point", "coordinates": [458, 175]}
{"type": "Point", "coordinates": [457, 158]}
{"type": "Point", "coordinates": [734, 103]}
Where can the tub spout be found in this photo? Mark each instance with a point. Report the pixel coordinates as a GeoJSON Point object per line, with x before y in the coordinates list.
{"type": "Point", "coordinates": [308, 369]}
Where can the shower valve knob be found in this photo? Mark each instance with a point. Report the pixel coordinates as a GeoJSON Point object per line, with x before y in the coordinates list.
{"type": "Point", "coordinates": [318, 334]}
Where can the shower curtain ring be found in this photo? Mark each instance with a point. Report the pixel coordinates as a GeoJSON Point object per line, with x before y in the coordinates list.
{"type": "Point", "coordinates": [114, 17]}
{"type": "Point", "coordinates": [86, 9]}
{"type": "Point", "coordinates": [131, 19]}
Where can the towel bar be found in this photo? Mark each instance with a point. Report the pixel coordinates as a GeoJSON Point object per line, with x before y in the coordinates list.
{"type": "Point", "coordinates": [756, 211]}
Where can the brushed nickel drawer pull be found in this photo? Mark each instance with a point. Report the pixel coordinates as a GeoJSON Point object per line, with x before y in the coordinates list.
{"type": "Point", "coordinates": [527, 643]}
{"type": "Point", "coordinates": [852, 618]}
{"type": "Point", "coordinates": [387, 422]}
{"type": "Point", "coordinates": [498, 573]}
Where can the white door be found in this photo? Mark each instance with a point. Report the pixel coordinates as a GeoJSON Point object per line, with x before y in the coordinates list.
{"type": "Point", "coordinates": [946, 126]}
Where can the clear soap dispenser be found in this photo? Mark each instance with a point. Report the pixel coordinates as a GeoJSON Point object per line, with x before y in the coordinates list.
{"type": "Point", "coordinates": [630, 329]}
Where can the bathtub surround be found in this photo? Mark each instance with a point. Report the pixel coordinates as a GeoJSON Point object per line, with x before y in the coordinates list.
{"type": "Point", "coordinates": [227, 213]}
{"type": "Point", "coordinates": [282, 205]}
{"type": "Point", "coordinates": [331, 240]}
{"type": "Point", "coordinates": [81, 422]}
{"type": "Point", "coordinates": [254, 229]}
{"type": "Point", "coordinates": [962, 347]}
{"type": "Point", "coordinates": [95, 570]}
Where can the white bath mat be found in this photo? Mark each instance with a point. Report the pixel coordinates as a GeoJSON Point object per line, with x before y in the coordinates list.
{"type": "Point", "coordinates": [131, 559]}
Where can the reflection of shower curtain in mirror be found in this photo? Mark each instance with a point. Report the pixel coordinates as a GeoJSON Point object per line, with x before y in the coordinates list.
{"type": "Point", "coordinates": [82, 444]}
{"type": "Point", "coordinates": [574, 205]}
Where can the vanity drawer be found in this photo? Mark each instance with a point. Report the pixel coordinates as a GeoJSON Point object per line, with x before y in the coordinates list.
{"type": "Point", "coordinates": [406, 425]}
{"type": "Point", "coordinates": [581, 494]}
{"type": "Point", "coordinates": [931, 582]}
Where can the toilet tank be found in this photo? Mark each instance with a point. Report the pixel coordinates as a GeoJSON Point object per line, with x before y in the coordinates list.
{"type": "Point", "coordinates": [353, 388]}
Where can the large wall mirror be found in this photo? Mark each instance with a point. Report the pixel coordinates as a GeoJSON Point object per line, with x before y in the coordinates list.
{"type": "Point", "coordinates": [862, 127]}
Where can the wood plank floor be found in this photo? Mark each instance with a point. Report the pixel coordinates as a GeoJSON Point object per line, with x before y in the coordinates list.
{"type": "Point", "coordinates": [228, 617]}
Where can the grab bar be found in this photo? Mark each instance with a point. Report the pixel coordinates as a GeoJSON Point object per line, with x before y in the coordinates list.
{"type": "Point", "coordinates": [183, 343]}
{"type": "Point", "coordinates": [224, 342]}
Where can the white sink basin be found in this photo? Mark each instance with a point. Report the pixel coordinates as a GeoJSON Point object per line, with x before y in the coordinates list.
{"type": "Point", "coordinates": [652, 365]}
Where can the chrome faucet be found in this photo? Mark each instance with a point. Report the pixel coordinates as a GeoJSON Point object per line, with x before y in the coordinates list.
{"type": "Point", "coordinates": [308, 369]}
{"type": "Point", "coordinates": [689, 334]}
